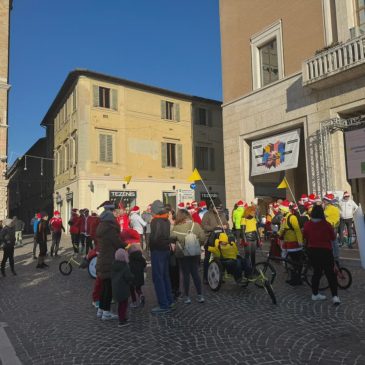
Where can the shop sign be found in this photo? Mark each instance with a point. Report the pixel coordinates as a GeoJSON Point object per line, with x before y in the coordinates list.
{"type": "Point", "coordinates": [355, 153]}
{"type": "Point", "coordinates": [275, 153]}
{"type": "Point", "coordinates": [204, 196]}
{"type": "Point", "coordinates": [185, 195]}
{"type": "Point", "coordinates": [115, 194]}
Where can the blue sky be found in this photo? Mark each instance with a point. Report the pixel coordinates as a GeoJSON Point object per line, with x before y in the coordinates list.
{"type": "Point", "coordinates": [174, 44]}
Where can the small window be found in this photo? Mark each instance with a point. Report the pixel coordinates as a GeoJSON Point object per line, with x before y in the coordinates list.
{"type": "Point", "coordinates": [204, 158]}
{"type": "Point", "coordinates": [269, 63]}
{"type": "Point", "coordinates": [105, 148]}
{"type": "Point", "coordinates": [105, 97]}
{"type": "Point", "coordinates": [360, 14]}
{"type": "Point", "coordinates": [170, 110]}
{"type": "Point", "coordinates": [171, 155]}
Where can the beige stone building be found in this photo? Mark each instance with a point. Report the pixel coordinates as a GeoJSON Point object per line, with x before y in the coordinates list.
{"type": "Point", "coordinates": [5, 8]}
{"type": "Point", "coordinates": [106, 128]}
{"type": "Point", "coordinates": [293, 66]}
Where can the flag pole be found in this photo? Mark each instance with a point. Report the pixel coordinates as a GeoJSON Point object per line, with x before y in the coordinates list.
{"type": "Point", "coordinates": [291, 193]}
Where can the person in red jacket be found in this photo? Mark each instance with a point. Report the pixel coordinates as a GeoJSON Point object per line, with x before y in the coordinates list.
{"type": "Point", "coordinates": [56, 227]}
{"type": "Point", "coordinates": [319, 235]}
{"type": "Point", "coordinates": [122, 218]}
{"type": "Point", "coordinates": [75, 225]}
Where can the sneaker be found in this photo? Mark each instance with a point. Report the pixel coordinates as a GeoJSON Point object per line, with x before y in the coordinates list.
{"type": "Point", "coordinates": [99, 313]}
{"type": "Point", "coordinates": [173, 306]}
{"type": "Point", "coordinates": [95, 304]}
{"type": "Point", "coordinates": [142, 300]}
{"type": "Point", "coordinates": [336, 300]}
{"type": "Point", "coordinates": [45, 265]}
{"type": "Point", "coordinates": [187, 300]}
{"type": "Point", "coordinates": [318, 297]}
{"type": "Point", "coordinates": [35, 257]}
{"type": "Point", "coordinates": [108, 316]}
{"type": "Point", "coordinates": [200, 299]}
{"type": "Point", "coordinates": [134, 305]}
{"type": "Point", "coordinates": [14, 273]}
{"type": "Point", "coordinates": [159, 310]}
{"type": "Point", "coordinates": [123, 323]}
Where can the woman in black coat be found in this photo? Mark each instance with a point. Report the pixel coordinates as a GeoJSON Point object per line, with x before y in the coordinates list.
{"type": "Point", "coordinates": [137, 265]}
{"type": "Point", "coordinates": [7, 238]}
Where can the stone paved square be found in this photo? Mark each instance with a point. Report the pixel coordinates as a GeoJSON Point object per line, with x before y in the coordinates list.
{"type": "Point", "coordinates": [50, 320]}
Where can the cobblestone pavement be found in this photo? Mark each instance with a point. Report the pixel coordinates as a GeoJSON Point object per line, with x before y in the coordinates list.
{"type": "Point", "coordinates": [51, 321]}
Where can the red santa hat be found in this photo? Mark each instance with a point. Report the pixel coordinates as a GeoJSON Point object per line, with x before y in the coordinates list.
{"type": "Point", "coordinates": [135, 209]}
{"type": "Point", "coordinates": [275, 207]}
{"type": "Point", "coordinates": [39, 216]}
{"type": "Point", "coordinates": [202, 204]}
{"type": "Point", "coordinates": [346, 194]}
{"type": "Point", "coordinates": [284, 206]}
{"type": "Point", "coordinates": [181, 205]}
{"type": "Point", "coordinates": [56, 212]}
{"type": "Point", "coordinates": [304, 198]}
{"type": "Point", "coordinates": [308, 205]}
{"type": "Point", "coordinates": [241, 203]}
{"type": "Point", "coordinates": [329, 197]}
{"type": "Point", "coordinates": [313, 198]}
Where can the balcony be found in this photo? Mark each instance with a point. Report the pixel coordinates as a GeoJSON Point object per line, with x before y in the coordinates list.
{"type": "Point", "coordinates": [335, 65]}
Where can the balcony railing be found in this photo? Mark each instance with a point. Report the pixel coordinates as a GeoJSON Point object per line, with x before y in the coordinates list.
{"type": "Point", "coordinates": [335, 64]}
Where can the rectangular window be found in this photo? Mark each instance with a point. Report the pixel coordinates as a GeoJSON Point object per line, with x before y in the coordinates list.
{"type": "Point", "coordinates": [105, 97]}
{"type": "Point", "coordinates": [360, 15]}
{"type": "Point", "coordinates": [203, 120]}
{"type": "Point", "coordinates": [204, 158]}
{"type": "Point", "coordinates": [170, 110]}
{"type": "Point", "coordinates": [171, 155]}
{"type": "Point", "coordinates": [269, 63]}
{"type": "Point", "coordinates": [105, 148]}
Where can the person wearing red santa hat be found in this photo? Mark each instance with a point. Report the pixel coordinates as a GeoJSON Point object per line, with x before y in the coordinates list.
{"type": "Point", "coordinates": [202, 209]}
{"type": "Point", "coordinates": [137, 223]}
{"type": "Point", "coordinates": [290, 232]}
{"type": "Point", "coordinates": [56, 227]}
{"type": "Point", "coordinates": [181, 205]}
{"type": "Point", "coordinates": [237, 218]}
{"type": "Point", "coordinates": [347, 210]}
{"type": "Point", "coordinates": [122, 217]}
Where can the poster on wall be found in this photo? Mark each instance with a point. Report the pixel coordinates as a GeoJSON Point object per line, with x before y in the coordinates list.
{"type": "Point", "coordinates": [355, 153]}
{"type": "Point", "coordinates": [275, 153]}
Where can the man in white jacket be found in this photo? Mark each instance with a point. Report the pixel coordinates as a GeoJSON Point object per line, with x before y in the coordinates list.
{"type": "Point", "coordinates": [137, 223]}
{"type": "Point", "coordinates": [347, 209]}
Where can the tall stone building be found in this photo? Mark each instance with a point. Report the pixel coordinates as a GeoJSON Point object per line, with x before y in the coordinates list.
{"type": "Point", "coordinates": [294, 97]}
{"type": "Point", "coordinates": [5, 8]}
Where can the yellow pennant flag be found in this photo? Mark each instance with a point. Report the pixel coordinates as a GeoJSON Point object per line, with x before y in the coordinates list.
{"type": "Point", "coordinates": [127, 179]}
{"type": "Point", "coordinates": [283, 185]}
{"type": "Point", "coordinates": [194, 176]}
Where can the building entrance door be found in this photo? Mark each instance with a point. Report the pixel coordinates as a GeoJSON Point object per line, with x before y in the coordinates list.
{"type": "Point", "coordinates": [169, 197]}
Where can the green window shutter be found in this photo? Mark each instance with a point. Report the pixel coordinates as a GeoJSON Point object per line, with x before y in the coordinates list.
{"type": "Point", "coordinates": [102, 147]}
{"type": "Point", "coordinates": [163, 109]}
{"type": "Point", "coordinates": [164, 154]}
{"type": "Point", "coordinates": [210, 118]}
{"type": "Point", "coordinates": [177, 112]}
{"type": "Point", "coordinates": [114, 99]}
{"type": "Point", "coordinates": [179, 156]}
{"type": "Point", "coordinates": [109, 148]}
{"type": "Point", "coordinates": [211, 159]}
{"type": "Point", "coordinates": [96, 95]}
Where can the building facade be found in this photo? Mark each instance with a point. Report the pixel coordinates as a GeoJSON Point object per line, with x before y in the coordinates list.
{"type": "Point", "coordinates": [5, 8]}
{"type": "Point", "coordinates": [106, 129]}
{"type": "Point", "coordinates": [292, 66]}
{"type": "Point", "coordinates": [30, 187]}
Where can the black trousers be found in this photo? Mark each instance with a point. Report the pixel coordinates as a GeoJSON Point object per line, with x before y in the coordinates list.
{"type": "Point", "coordinates": [348, 224]}
{"type": "Point", "coordinates": [56, 238]}
{"type": "Point", "coordinates": [190, 266]}
{"type": "Point", "coordinates": [106, 295]}
{"type": "Point", "coordinates": [75, 239]}
{"type": "Point", "coordinates": [321, 260]}
{"type": "Point", "coordinates": [86, 241]}
{"type": "Point", "coordinates": [8, 254]}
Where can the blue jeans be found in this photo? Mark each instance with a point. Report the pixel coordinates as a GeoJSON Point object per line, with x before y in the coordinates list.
{"type": "Point", "coordinates": [161, 278]}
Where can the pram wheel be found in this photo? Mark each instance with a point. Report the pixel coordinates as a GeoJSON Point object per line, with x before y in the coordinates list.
{"type": "Point", "coordinates": [215, 275]}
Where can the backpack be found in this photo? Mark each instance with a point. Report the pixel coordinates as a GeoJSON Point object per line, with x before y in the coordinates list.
{"type": "Point", "coordinates": [191, 245]}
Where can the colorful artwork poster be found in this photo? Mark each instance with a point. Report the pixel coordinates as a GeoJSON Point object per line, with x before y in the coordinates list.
{"type": "Point", "coordinates": [275, 153]}
{"type": "Point", "coordinates": [355, 153]}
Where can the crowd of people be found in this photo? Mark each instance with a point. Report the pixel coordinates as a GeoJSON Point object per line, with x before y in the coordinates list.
{"type": "Point", "coordinates": [174, 241]}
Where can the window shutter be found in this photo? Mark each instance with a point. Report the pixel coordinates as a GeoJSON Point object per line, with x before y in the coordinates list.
{"type": "Point", "coordinates": [109, 148]}
{"type": "Point", "coordinates": [196, 115]}
{"type": "Point", "coordinates": [102, 147]}
{"type": "Point", "coordinates": [96, 95]}
{"type": "Point", "coordinates": [164, 154]}
{"type": "Point", "coordinates": [211, 159]}
{"type": "Point", "coordinates": [177, 112]}
{"type": "Point", "coordinates": [179, 156]}
{"type": "Point", "coordinates": [197, 158]}
{"type": "Point", "coordinates": [210, 118]}
{"type": "Point", "coordinates": [114, 99]}
{"type": "Point", "coordinates": [163, 109]}
{"type": "Point", "coordinates": [74, 100]}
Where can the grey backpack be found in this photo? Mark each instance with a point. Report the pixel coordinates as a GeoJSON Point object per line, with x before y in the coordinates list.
{"type": "Point", "coordinates": [191, 245]}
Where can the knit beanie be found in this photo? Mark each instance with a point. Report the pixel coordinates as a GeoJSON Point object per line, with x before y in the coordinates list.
{"type": "Point", "coordinates": [157, 207]}
{"type": "Point", "coordinates": [121, 255]}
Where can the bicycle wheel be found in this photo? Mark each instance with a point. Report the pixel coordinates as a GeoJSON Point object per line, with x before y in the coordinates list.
{"type": "Point", "coordinates": [344, 278]}
{"type": "Point", "coordinates": [268, 270]}
{"type": "Point", "coordinates": [65, 268]}
{"type": "Point", "coordinates": [92, 267]}
{"type": "Point", "coordinates": [215, 275]}
{"type": "Point", "coordinates": [269, 290]}
{"type": "Point", "coordinates": [307, 277]}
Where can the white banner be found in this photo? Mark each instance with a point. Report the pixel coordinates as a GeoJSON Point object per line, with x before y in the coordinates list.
{"type": "Point", "coordinates": [355, 153]}
{"type": "Point", "coordinates": [275, 153]}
